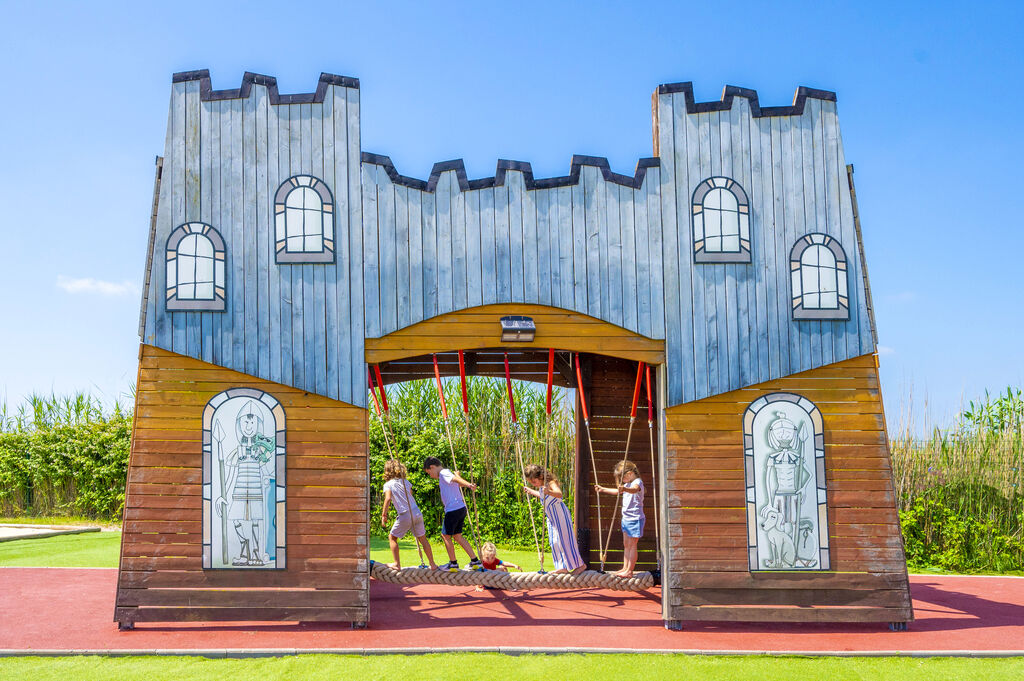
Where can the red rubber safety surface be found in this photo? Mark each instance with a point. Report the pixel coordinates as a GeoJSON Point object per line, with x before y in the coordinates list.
{"type": "Point", "coordinates": [72, 609]}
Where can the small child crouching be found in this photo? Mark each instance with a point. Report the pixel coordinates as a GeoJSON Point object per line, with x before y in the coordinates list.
{"type": "Point", "coordinates": [489, 559]}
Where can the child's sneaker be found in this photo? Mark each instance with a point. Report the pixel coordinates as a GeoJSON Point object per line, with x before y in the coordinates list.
{"type": "Point", "coordinates": [475, 564]}
{"type": "Point", "coordinates": [450, 566]}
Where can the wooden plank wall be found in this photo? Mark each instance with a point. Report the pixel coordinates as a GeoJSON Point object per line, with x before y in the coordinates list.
{"type": "Point", "coordinates": [609, 388]}
{"type": "Point", "coordinates": [730, 326]}
{"type": "Point", "coordinates": [480, 327]}
{"type": "Point", "coordinates": [709, 577]}
{"type": "Point", "coordinates": [298, 325]}
{"type": "Point", "coordinates": [593, 247]}
{"type": "Point", "coordinates": [614, 247]}
{"type": "Point", "coordinates": [161, 576]}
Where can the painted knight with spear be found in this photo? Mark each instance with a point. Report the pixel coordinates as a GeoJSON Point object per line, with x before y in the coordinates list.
{"type": "Point", "coordinates": [243, 480]}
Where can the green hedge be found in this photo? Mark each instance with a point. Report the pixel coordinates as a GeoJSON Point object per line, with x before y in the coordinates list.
{"type": "Point", "coordinates": [69, 469]}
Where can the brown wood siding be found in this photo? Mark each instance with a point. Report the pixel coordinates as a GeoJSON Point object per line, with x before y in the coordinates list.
{"type": "Point", "coordinates": [161, 576]}
{"type": "Point", "coordinates": [709, 577]}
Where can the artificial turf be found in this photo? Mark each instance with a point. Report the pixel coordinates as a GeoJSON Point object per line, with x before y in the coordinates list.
{"type": "Point", "coordinates": [101, 549]}
{"type": "Point", "coordinates": [522, 668]}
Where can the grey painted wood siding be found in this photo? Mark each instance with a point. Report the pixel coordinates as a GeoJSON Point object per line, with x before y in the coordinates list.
{"type": "Point", "coordinates": [298, 324]}
{"type": "Point", "coordinates": [615, 247]}
{"type": "Point", "coordinates": [583, 248]}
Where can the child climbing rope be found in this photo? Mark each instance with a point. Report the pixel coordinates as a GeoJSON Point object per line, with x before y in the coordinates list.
{"type": "Point", "coordinates": [451, 485]}
{"type": "Point", "coordinates": [633, 519]}
{"type": "Point", "coordinates": [565, 553]}
{"type": "Point", "coordinates": [398, 491]}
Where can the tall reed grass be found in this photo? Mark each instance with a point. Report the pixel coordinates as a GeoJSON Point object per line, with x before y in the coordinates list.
{"type": "Point", "coordinates": [959, 490]}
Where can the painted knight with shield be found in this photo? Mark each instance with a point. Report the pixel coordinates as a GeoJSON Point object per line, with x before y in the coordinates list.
{"type": "Point", "coordinates": [243, 486]}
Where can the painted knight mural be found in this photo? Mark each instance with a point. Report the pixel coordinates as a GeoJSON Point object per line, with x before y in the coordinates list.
{"type": "Point", "coordinates": [785, 485]}
{"type": "Point", "coordinates": [242, 445]}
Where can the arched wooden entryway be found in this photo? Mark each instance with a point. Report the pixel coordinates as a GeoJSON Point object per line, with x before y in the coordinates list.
{"type": "Point", "coordinates": [609, 356]}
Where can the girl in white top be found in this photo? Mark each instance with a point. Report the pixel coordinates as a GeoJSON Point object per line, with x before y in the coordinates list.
{"type": "Point", "coordinates": [398, 491]}
{"type": "Point", "coordinates": [631, 487]}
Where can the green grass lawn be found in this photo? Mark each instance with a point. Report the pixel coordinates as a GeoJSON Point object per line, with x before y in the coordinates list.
{"type": "Point", "coordinates": [462, 666]}
{"type": "Point", "coordinates": [101, 549]}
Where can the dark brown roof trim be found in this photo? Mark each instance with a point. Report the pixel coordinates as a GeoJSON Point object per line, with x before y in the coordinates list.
{"type": "Point", "coordinates": [249, 79]}
{"type": "Point", "coordinates": [504, 166]}
{"type": "Point", "coordinates": [756, 110]}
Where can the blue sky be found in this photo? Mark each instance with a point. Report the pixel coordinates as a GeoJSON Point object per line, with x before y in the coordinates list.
{"type": "Point", "coordinates": [929, 101]}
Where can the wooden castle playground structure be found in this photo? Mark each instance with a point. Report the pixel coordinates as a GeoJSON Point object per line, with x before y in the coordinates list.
{"type": "Point", "coordinates": [283, 261]}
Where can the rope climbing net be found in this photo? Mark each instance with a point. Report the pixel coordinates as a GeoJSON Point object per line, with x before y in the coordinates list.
{"type": "Point", "coordinates": [512, 581]}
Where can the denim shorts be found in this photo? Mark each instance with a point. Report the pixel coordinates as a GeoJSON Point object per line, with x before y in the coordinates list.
{"type": "Point", "coordinates": [634, 527]}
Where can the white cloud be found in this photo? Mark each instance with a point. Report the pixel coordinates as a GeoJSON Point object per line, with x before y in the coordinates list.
{"type": "Point", "coordinates": [96, 286]}
{"type": "Point", "coordinates": [885, 350]}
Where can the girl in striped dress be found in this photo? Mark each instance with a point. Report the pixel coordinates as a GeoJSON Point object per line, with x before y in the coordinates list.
{"type": "Point", "coordinates": [565, 553]}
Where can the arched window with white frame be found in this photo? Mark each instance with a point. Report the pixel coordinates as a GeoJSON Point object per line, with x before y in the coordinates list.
{"type": "Point", "coordinates": [304, 221]}
{"type": "Point", "coordinates": [819, 278]}
{"type": "Point", "coordinates": [195, 260]}
{"type": "Point", "coordinates": [721, 222]}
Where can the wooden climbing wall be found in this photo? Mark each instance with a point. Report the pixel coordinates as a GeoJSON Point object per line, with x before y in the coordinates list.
{"type": "Point", "coordinates": [710, 577]}
{"type": "Point", "coordinates": [161, 573]}
{"type": "Point", "coordinates": [609, 388]}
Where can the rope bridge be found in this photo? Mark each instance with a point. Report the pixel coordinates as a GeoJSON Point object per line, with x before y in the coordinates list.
{"type": "Point", "coordinates": [512, 581]}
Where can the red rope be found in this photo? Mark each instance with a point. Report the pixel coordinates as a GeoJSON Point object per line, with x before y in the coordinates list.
{"type": "Point", "coordinates": [636, 388]}
{"type": "Point", "coordinates": [508, 385]}
{"type": "Point", "coordinates": [440, 390]}
{"type": "Point", "coordinates": [373, 391]}
{"type": "Point", "coordinates": [462, 376]}
{"type": "Point", "coordinates": [650, 404]}
{"type": "Point", "coordinates": [579, 388]}
{"type": "Point", "coordinates": [383, 394]}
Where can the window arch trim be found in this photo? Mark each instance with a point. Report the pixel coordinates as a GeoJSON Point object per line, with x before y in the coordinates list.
{"type": "Point", "coordinates": [328, 226]}
{"type": "Point", "coordinates": [842, 311]}
{"type": "Point", "coordinates": [697, 208]}
{"type": "Point", "coordinates": [219, 301]}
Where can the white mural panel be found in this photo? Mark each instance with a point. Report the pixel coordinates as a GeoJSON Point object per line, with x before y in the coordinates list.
{"type": "Point", "coordinates": [243, 481]}
{"type": "Point", "coordinates": [784, 457]}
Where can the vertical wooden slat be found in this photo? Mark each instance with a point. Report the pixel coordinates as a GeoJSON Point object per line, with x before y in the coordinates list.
{"type": "Point", "coordinates": [780, 353]}
{"type": "Point", "coordinates": [657, 275]}
{"type": "Point", "coordinates": [502, 250]}
{"type": "Point", "coordinates": [357, 394]}
{"type": "Point", "coordinates": [806, 142]}
{"type": "Point", "coordinates": [547, 279]}
{"type": "Point", "coordinates": [318, 348]}
{"type": "Point", "coordinates": [515, 189]}
{"type": "Point", "coordinates": [445, 247]}
{"type": "Point", "coordinates": [795, 227]}
{"type": "Point", "coordinates": [402, 286]}
{"type": "Point", "coordinates": [284, 171]}
{"type": "Point", "coordinates": [459, 247]}
{"type": "Point", "coordinates": [193, 197]}
{"type": "Point", "coordinates": [592, 209]}
{"type": "Point", "coordinates": [250, 275]}
{"type": "Point", "coordinates": [309, 318]}
{"type": "Point", "coordinates": [333, 335]}
{"type": "Point", "coordinates": [206, 123]}
{"type": "Point", "coordinates": [476, 246]}
{"type": "Point", "coordinates": [488, 248]}
{"type": "Point", "coordinates": [531, 246]}
{"type": "Point", "coordinates": [644, 291]}
{"type": "Point", "coordinates": [371, 181]}
{"type": "Point", "coordinates": [236, 256]}
{"type": "Point", "coordinates": [274, 295]}
{"type": "Point", "coordinates": [581, 254]}
{"type": "Point", "coordinates": [262, 229]}
{"type": "Point", "coordinates": [386, 197]}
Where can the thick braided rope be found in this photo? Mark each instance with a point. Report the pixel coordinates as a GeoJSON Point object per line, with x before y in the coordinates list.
{"type": "Point", "coordinates": [511, 581]}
